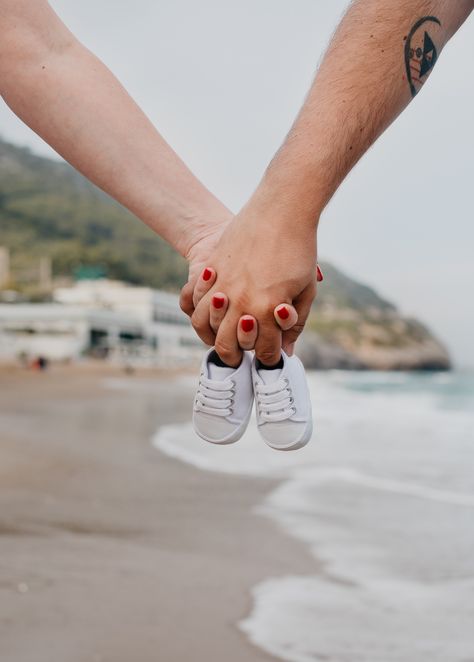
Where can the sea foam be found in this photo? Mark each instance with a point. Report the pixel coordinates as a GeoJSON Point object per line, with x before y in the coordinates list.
{"type": "Point", "coordinates": [383, 496]}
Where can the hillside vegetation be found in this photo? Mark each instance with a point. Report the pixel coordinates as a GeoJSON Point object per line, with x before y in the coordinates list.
{"type": "Point", "coordinates": [48, 209]}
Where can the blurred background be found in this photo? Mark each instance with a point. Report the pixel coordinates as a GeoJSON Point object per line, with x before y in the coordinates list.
{"type": "Point", "coordinates": [125, 537]}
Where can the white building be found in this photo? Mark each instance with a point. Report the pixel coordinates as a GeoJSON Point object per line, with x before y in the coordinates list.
{"type": "Point", "coordinates": [113, 295]}
{"type": "Point", "coordinates": [33, 330]}
{"type": "Point", "coordinates": [102, 318]}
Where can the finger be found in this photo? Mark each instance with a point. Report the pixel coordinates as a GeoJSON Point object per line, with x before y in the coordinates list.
{"type": "Point", "coordinates": [290, 337]}
{"type": "Point", "coordinates": [226, 343]}
{"type": "Point", "coordinates": [268, 343]}
{"type": "Point", "coordinates": [219, 305]}
{"type": "Point", "coordinates": [200, 322]}
{"type": "Point", "coordinates": [303, 305]}
{"type": "Point", "coordinates": [289, 348]}
{"type": "Point", "coordinates": [285, 316]}
{"type": "Point", "coordinates": [247, 332]}
{"type": "Point", "coordinates": [186, 299]}
{"type": "Point", "coordinates": [205, 281]}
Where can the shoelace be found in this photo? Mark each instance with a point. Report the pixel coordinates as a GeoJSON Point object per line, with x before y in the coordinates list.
{"type": "Point", "coordinates": [275, 401]}
{"type": "Point", "coordinates": [214, 397]}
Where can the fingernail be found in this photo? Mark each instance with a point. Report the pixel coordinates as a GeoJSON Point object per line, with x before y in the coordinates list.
{"type": "Point", "coordinates": [320, 274]}
{"type": "Point", "coordinates": [218, 302]}
{"type": "Point", "coordinates": [247, 325]}
{"type": "Point", "coordinates": [206, 274]}
{"type": "Point", "coordinates": [283, 313]}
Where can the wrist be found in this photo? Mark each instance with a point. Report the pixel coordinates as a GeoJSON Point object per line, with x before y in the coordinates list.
{"type": "Point", "coordinates": [183, 222]}
{"type": "Point", "coordinates": [200, 228]}
{"type": "Point", "coordinates": [287, 201]}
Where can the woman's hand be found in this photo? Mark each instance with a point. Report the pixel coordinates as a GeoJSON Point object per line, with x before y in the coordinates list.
{"type": "Point", "coordinates": [198, 257]}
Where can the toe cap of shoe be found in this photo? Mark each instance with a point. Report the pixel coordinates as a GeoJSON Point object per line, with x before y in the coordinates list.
{"type": "Point", "coordinates": [213, 429]}
{"type": "Point", "coordinates": [285, 434]}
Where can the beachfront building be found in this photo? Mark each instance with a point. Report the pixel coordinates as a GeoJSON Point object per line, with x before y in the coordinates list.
{"type": "Point", "coordinates": [113, 295]}
{"type": "Point", "coordinates": [106, 319]}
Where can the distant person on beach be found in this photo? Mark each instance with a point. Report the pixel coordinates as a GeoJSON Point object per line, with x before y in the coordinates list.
{"type": "Point", "coordinates": [379, 58]}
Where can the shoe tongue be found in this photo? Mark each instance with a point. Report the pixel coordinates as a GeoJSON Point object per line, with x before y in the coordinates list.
{"type": "Point", "coordinates": [269, 376]}
{"type": "Point", "coordinates": [219, 373]}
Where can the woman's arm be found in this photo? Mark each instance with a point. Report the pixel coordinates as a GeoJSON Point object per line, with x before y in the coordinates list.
{"type": "Point", "coordinates": [70, 98]}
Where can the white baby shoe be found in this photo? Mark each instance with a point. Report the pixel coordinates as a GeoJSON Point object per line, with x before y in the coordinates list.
{"type": "Point", "coordinates": [283, 404]}
{"type": "Point", "coordinates": [224, 400]}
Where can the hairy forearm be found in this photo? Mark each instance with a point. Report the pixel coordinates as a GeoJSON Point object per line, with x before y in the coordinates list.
{"type": "Point", "coordinates": [67, 96]}
{"type": "Point", "coordinates": [380, 56]}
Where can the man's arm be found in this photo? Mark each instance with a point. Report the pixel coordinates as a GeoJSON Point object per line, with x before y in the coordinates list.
{"type": "Point", "coordinates": [380, 56]}
{"type": "Point", "coordinates": [67, 96]}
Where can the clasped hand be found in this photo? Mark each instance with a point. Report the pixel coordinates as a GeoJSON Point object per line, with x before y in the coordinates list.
{"type": "Point", "coordinates": [251, 286]}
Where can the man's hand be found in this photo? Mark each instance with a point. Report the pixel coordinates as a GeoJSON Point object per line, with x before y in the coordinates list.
{"type": "Point", "coordinates": [200, 280]}
{"type": "Point", "coordinates": [260, 261]}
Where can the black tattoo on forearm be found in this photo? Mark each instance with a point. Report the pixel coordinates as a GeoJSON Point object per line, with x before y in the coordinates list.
{"type": "Point", "coordinates": [420, 53]}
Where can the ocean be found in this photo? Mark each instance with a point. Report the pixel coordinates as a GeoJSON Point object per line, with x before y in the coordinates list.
{"type": "Point", "coordinates": [384, 497]}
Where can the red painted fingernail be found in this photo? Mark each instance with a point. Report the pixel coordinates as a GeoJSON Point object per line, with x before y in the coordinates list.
{"type": "Point", "coordinates": [247, 325]}
{"type": "Point", "coordinates": [283, 313]}
{"type": "Point", "coordinates": [206, 274]}
{"type": "Point", "coordinates": [218, 302]}
{"type": "Point", "coordinates": [320, 274]}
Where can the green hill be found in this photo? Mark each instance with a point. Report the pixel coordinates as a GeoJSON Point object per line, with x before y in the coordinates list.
{"type": "Point", "coordinates": [48, 209]}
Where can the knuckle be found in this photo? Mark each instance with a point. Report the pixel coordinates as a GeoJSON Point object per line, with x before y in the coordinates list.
{"type": "Point", "coordinates": [241, 302]}
{"type": "Point", "coordinates": [297, 330]}
{"type": "Point", "coordinates": [225, 351]}
{"type": "Point", "coordinates": [207, 337]}
{"type": "Point", "coordinates": [268, 304]}
{"type": "Point", "coordinates": [215, 324]}
{"type": "Point", "coordinates": [186, 307]}
{"type": "Point", "coordinates": [265, 315]}
{"type": "Point", "coordinates": [185, 302]}
{"type": "Point", "coordinates": [196, 323]}
{"type": "Point", "coordinates": [294, 333]}
{"type": "Point", "coordinates": [268, 355]}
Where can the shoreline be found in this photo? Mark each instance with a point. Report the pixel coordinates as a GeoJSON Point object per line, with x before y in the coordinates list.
{"type": "Point", "coordinates": [93, 515]}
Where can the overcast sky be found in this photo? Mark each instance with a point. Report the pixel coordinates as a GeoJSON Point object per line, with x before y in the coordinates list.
{"type": "Point", "coordinates": [222, 80]}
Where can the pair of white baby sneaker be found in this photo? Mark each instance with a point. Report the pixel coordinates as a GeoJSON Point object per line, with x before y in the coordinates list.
{"type": "Point", "coordinates": [225, 397]}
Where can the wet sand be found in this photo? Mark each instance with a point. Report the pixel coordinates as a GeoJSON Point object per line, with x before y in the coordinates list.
{"type": "Point", "coordinates": [110, 551]}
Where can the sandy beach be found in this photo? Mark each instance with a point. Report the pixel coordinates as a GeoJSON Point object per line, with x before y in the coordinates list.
{"type": "Point", "coordinates": [111, 550]}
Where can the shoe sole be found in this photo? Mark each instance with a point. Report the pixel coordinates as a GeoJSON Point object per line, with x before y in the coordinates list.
{"type": "Point", "coordinates": [232, 438]}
